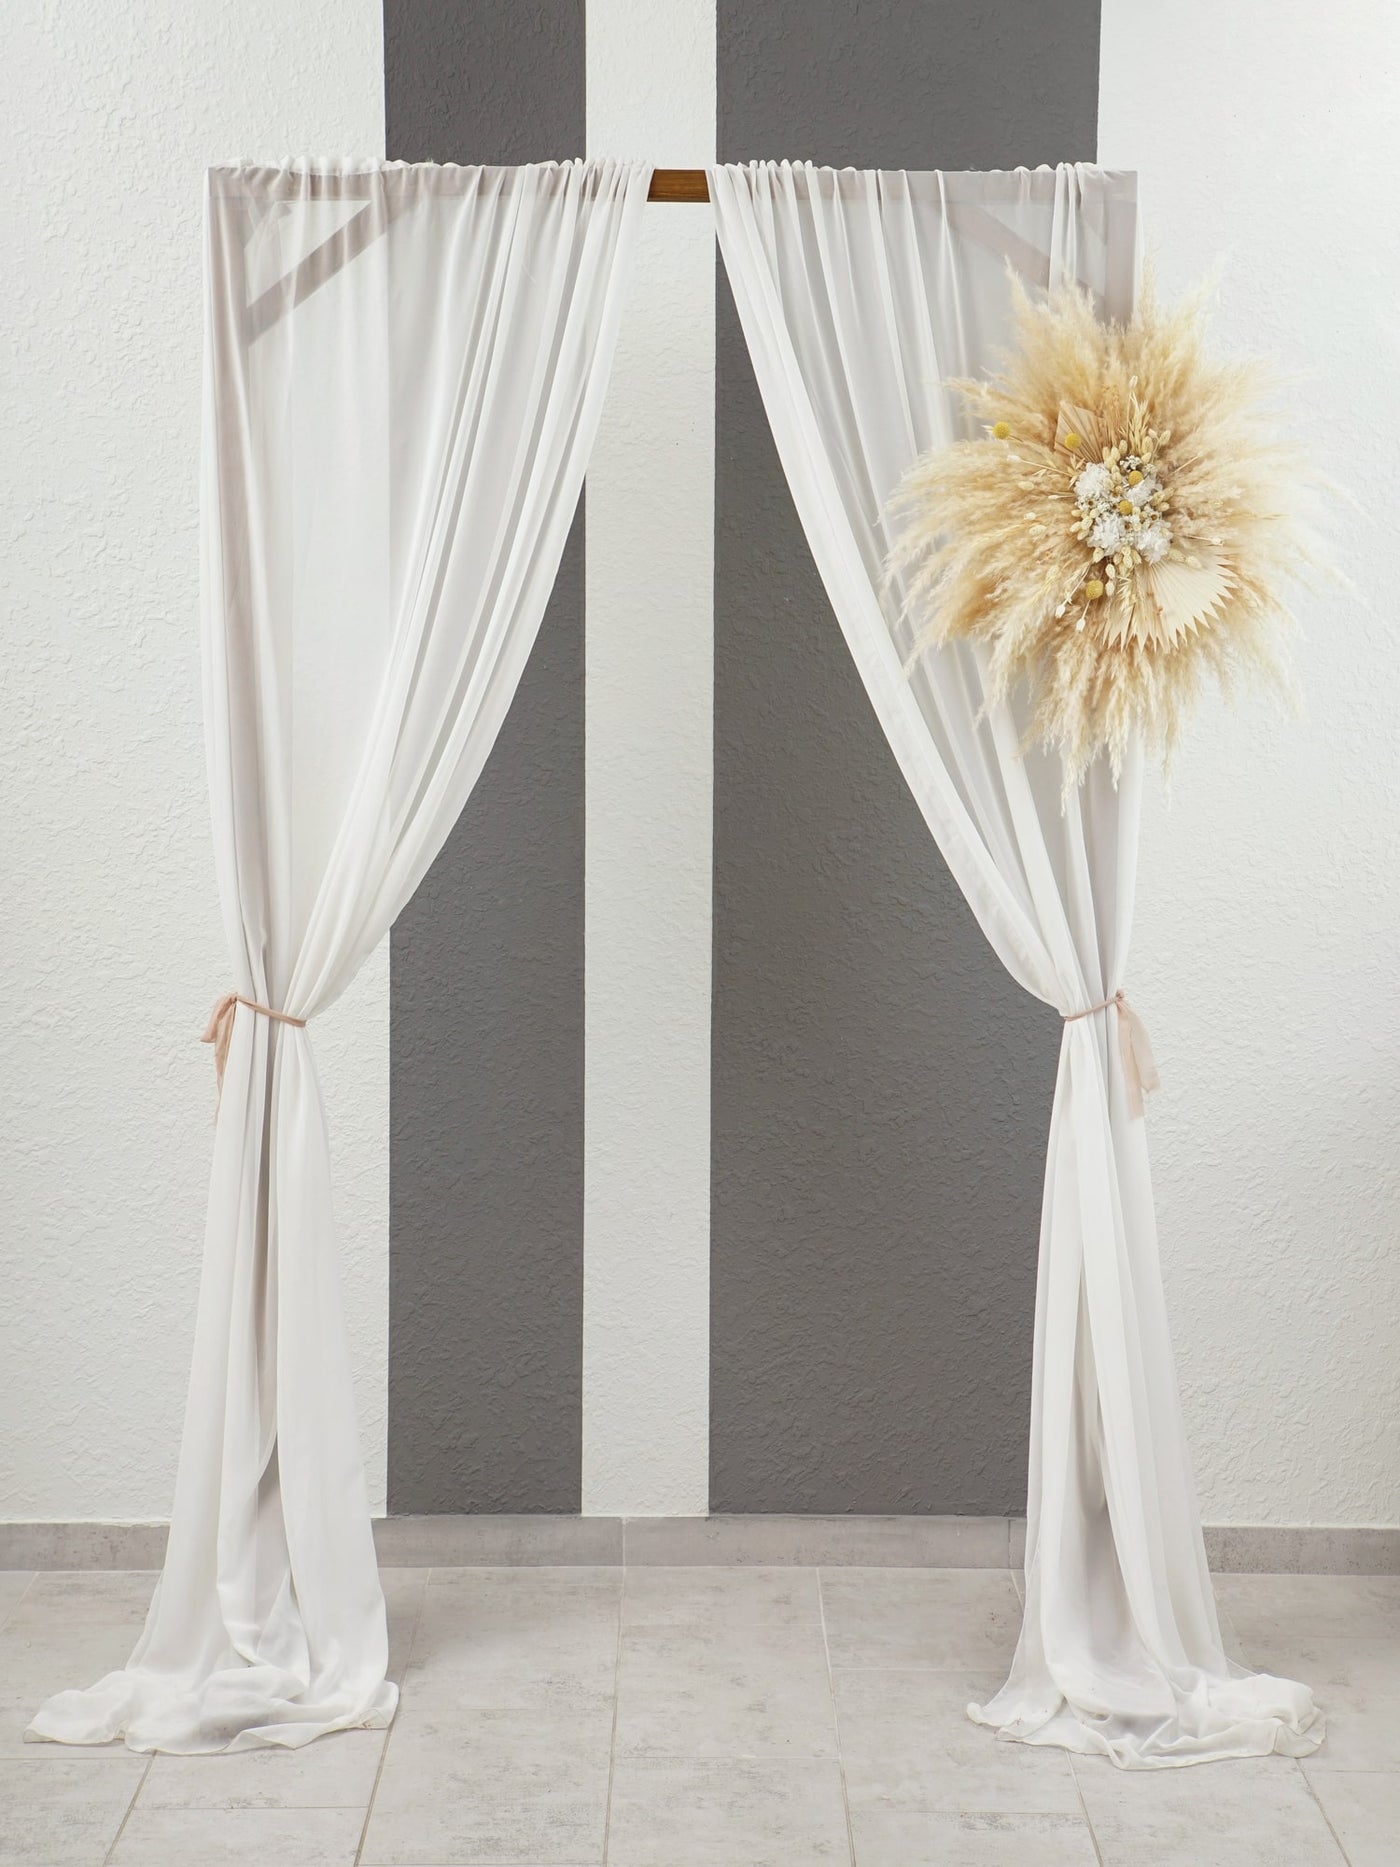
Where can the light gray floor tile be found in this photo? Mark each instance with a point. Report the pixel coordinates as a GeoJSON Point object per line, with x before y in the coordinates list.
{"type": "Point", "coordinates": [239, 1838]}
{"type": "Point", "coordinates": [727, 1611]}
{"type": "Point", "coordinates": [1258, 1812]}
{"type": "Point", "coordinates": [1357, 1684]}
{"type": "Point", "coordinates": [491, 1787]}
{"type": "Point", "coordinates": [68, 1598]}
{"type": "Point", "coordinates": [908, 1743]}
{"type": "Point", "coordinates": [905, 1838]}
{"type": "Point", "coordinates": [1282, 1608]}
{"type": "Point", "coordinates": [676, 1704]}
{"type": "Point", "coordinates": [549, 1693]}
{"type": "Point", "coordinates": [680, 1812]}
{"type": "Point", "coordinates": [959, 1619]}
{"type": "Point", "coordinates": [1230, 1638]}
{"type": "Point", "coordinates": [500, 1755]}
{"type": "Point", "coordinates": [335, 1772]}
{"type": "Point", "coordinates": [530, 1607]}
{"type": "Point", "coordinates": [60, 1813]}
{"type": "Point", "coordinates": [724, 1662]}
{"type": "Point", "coordinates": [526, 1639]}
{"type": "Point", "coordinates": [479, 1576]}
{"type": "Point", "coordinates": [404, 1593]}
{"type": "Point", "coordinates": [13, 1583]}
{"type": "Point", "coordinates": [37, 1662]}
{"type": "Point", "coordinates": [403, 1588]}
{"type": "Point", "coordinates": [1364, 1809]}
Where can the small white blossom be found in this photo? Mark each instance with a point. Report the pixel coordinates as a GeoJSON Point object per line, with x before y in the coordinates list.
{"type": "Point", "coordinates": [1116, 499]}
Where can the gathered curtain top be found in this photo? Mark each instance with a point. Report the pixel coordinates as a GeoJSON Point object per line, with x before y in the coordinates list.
{"type": "Point", "coordinates": [352, 177]}
{"type": "Point", "coordinates": [329, 177]}
{"type": "Point", "coordinates": [986, 186]}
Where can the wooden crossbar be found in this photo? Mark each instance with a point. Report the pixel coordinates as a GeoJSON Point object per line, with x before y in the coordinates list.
{"type": "Point", "coordinates": [679, 185]}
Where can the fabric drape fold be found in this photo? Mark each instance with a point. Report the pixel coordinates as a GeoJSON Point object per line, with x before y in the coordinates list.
{"type": "Point", "coordinates": [404, 371]}
{"type": "Point", "coordinates": [860, 294]}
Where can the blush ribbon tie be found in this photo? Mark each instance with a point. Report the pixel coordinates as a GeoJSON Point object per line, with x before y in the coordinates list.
{"type": "Point", "coordinates": [220, 1029]}
{"type": "Point", "coordinates": [1139, 1065]}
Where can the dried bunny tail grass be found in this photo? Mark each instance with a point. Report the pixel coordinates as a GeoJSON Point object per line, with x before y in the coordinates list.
{"type": "Point", "coordinates": [1118, 595]}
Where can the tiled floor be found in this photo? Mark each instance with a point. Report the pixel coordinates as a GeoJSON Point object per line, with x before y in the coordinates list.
{"type": "Point", "coordinates": [713, 1717]}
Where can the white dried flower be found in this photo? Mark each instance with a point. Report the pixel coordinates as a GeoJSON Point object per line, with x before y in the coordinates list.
{"type": "Point", "coordinates": [1154, 541]}
{"type": "Point", "coordinates": [1093, 484]}
{"type": "Point", "coordinates": [1108, 533]}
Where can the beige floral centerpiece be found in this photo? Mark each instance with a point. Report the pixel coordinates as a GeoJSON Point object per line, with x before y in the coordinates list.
{"type": "Point", "coordinates": [1122, 529]}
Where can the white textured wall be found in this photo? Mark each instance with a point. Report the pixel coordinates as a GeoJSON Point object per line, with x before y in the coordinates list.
{"type": "Point", "coordinates": [1269, 905]}
{"type": "Point", "coordinates": [110, 946]}
{"type": "Point", "coordinates": [1265, 956]}
{"type": "Point", "coordinates": [649, 723]}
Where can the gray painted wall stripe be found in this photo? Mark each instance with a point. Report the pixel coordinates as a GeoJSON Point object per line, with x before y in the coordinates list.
{"type": "Point", "coordinates": [486, 1048]}
{"type": "Point", "coordinates": [880, 1087]}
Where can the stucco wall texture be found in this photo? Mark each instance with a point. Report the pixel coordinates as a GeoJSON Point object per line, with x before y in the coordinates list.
{"type": "Point", "coordinates": [650, 651]}
{"type": "Point", "coordinates": [1268, 920]}
{"type": "Point", "coordinates": [112, 948]}
{"type": "Point", "coordinates": [881, 1091]}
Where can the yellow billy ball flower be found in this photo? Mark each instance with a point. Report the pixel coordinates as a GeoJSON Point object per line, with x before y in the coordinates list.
{"type": "Point", "coordinates": [1001, 430]}
{"type": "Point", "coordinates": [1073, 441]}
{"type": "Point", "coordinates": [1125, 506]}
{"type": "Point", "coordinates": [1093, 589]}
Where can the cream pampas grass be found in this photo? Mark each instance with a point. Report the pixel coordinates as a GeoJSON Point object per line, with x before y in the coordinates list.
{"type": "Point", "coordinates": [1121, 533]}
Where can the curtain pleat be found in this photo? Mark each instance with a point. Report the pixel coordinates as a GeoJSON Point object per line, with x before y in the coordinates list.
{"type": "Point", "coordinates": [861, 294]}
{"type": "Point", "coordinates": [404, 370]}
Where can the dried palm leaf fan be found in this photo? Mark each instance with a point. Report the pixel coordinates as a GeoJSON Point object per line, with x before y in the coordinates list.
{"type": "Point", "coordinates": [1123, 528]}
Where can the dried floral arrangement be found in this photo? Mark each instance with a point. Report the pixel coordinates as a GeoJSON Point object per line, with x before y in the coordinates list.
{"type": "Point", "coordinates": [1123, 530]}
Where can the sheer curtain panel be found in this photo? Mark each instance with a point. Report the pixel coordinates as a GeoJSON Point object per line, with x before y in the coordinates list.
{"type": "Point", "coordinates": [404, 368]}
{"type": "Point", "coordinates": [861, 294]}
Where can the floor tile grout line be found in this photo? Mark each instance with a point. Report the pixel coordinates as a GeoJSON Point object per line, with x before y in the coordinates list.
{"type": "Point", "coordinates": [617, 1695]}
{"type": "Point", "coordinates": [966, 1666]}
{"type": "Point", "coordinates": [1315, 1789]}
{"type": "Point", "coordinates": [835, 1720]}
{"type": "Point", "coordinates": [1322, 1809]}
{"type": "Point", "coordinates": [259, 1808]}
{"type": "Point", "coordinates": [14, 1606]}
{"type": "Point", "coordinates": [129, 1811]}
{"type": "Point", "coordinates": [389, 1733]}
{"type": "Point", "coordinates": [1084, 1810]}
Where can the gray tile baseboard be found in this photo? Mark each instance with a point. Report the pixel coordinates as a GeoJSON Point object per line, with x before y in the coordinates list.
{"type": "Point", "coordinates": [82, 1545]}
{"type": "Point", "coordinates": [809, 1542]}
{"type": "Point", "coordinates": [819, 1542]}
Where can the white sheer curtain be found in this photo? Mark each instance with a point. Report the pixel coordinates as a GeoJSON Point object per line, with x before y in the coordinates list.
{"type": "Point", "coordinates": [405, 366]}
{"type": "Point", "coordinates": [860, 294]}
